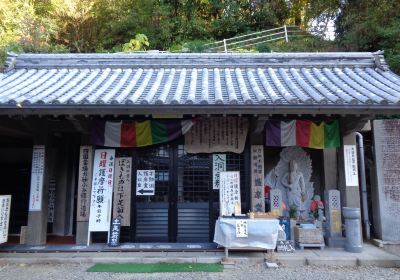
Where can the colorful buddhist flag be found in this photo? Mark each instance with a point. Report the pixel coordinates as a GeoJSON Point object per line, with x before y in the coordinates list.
{"type": "Point", "coordinates": [302, 133]}
{"type": "Point", "coordinates": [138, 134]}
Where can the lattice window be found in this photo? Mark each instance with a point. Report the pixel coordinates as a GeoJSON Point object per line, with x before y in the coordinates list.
{"type": "Point", "coordinates": [194, 178]}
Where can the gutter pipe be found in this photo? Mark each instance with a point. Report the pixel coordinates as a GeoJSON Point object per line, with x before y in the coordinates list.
{"type": "Point", "coordinates": [363, 185]}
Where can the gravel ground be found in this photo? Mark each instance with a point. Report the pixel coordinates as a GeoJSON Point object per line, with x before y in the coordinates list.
{"type": "Point", "coordinates": [76, 271]}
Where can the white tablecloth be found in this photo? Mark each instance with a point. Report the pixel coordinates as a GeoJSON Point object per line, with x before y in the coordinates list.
{"type": "Point", "coordinates": [262, 234]}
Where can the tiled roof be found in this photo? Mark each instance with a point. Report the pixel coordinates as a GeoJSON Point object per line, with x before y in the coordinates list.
{"type": "Point", "coordinates": [160, 79]}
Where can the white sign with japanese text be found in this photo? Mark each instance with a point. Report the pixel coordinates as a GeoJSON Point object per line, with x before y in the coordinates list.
{"type": "Point", "coordinates": [145, 182]}
{"type": "Point", "coordinates": [84, 183]}
{"type": "Point", "coordinates": [37, 173]}
{"type": "Point", "coordinates": [219, 164]}
{"type": "Point", "coordinates": [229, 192]}
{"type": "Point", "coordinates": [122, 190]}
{"type": "Point", "coordinates": [5, 208]}
{"type": "Point", "coordinates": [102, 189]}
{"type": "Point", "coordinates": [241, 228]}
{"type": "Point", "coordinates": [350, 165]}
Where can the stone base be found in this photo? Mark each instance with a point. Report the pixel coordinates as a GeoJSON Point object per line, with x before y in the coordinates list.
{"type": "Point", "coordinates": [392, 247]}
{"type": "Point", "coordinates": [382, 243]}
{"type": "Point", "coordinates": [228, 263]}
{"type": "Point", "coordinates": [335, 242]}
{"type": "Point", "coordinates": [82, 232]}
{"type": "Point", "coordinates": [271, 265]}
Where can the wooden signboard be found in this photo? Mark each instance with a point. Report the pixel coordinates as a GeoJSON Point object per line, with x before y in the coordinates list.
{"type": "Point", "coordinates": [84, 183]}
{"type": "Point", "coordinates": [51, 201]}
{"type": "Point", "coordinates": [229, 193]}
{"type": "Point", "coordinates": [219, 164]}
{"type": "Point", "coordinates": [257, 178]}
{"type": "Point", "coordinates": [115, 232]}
{"type": "Point", "coordinates": [217, 135]}
{"type": "Point", "coordinates": [122, 190]}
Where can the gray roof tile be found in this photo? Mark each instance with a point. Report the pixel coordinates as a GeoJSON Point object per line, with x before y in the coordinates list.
{"type": "Point", "coordinates": [308, 79]}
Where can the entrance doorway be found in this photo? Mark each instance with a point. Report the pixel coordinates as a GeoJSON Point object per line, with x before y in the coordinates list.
{"type": "Point", "coordinates": [184, 207]}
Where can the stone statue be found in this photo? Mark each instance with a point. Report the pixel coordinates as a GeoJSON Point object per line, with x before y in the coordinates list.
{"type": "Point", "coordinates": [317, 207]}
{"type": "Point", "coordinates": [292, 176]}
{"type": "Point", "coordinates": [294, 181]}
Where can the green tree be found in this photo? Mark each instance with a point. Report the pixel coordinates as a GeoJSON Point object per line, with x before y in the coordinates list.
{"type": "Point", "coordinates": [370, 25]}
{"type": "Point", "coordinates": [140, 43]}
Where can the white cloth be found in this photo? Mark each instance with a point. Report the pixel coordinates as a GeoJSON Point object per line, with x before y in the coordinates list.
{"type": "Point", "coordinates": [262, 234]}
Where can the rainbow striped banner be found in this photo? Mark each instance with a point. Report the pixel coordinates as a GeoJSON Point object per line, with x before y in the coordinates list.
{"type": "Point", "coordinates": [302, 133]}
{"type": "Point", "coordinates": [138, 134]}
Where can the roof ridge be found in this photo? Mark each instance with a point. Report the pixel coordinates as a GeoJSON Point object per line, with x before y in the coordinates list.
{"type": "Point", "coordinates": [203, 60]}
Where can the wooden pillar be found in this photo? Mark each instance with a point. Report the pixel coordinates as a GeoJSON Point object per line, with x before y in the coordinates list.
{"type": "Point", "coordinates": [65, 186]}
{"type": "Point", "coordinates": [330, 169]}
{"type": "Point", "coordinates": [37, 216]}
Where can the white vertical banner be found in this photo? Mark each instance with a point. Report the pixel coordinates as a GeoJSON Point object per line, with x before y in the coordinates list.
{"type": "Point", "coordinates": [229, 192]}
{"type": "Point", "coordinates": [102, 190]}
{"type": "Point", "coordinates": [350, 165]}
{"type": "Point", "coordinates": [84, 183]}
{"type": "Point", "coordinates": [5, 208]}
{"type": "Point", "coordinates": [219, 164]}
{"type": "Point", "coordinates": [37, 173]}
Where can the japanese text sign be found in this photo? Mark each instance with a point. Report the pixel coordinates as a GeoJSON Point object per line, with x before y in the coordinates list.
{"type": "Point", "coordinates": [242, 228]}
{"type": "Point", "coordinates": [37, 173]}
{"type": "Point", "coordinates": [102, 189]}
{"type": "Point", "coordinates": [350, 165]}
{"type": "Point", "coordinates": [145, 182]}
{"type": "Point", "coordinates": [122, 190]}
{"type": "Point", "coordinates": [5, 208]}
{"type": "Point", "coordinates": [229, 193]}
{"type": "Point", "coordinates": [84, 183]}
{"type": "Point", "coordinates": [219, 164]}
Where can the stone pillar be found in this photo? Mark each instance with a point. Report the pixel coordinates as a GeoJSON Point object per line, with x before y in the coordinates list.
{"type": "Point", "coordinates": [333, 214]}
{"type": "Point", "coordinates": [386, 195]}
{"type": "Point", "coordinates": [276, 202]}
{"type": "Point", "coordinates": [350, 195]}
{"type": "Point", "coordinates": [330, 169]}
{"type": "Point", "coordinates": [37, 219]}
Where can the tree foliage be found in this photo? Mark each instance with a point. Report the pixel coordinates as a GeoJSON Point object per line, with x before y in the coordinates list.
{"type": "Point", "coordinates": [186, 25]}
{"type": "Point", "coordinates": [370, 25]}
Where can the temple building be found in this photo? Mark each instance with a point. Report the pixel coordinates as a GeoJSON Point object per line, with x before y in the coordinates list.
{"type": "Point", "coordinates": [141, 137]}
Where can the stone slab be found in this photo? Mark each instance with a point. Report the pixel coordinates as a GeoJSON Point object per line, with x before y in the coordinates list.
{"type": "Point", "coordinates": [387, 161]}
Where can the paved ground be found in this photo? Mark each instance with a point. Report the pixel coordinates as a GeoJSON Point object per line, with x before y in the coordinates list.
{"type": "Point", "coordinates": [371, 255]}
{"type": "Point", "coordinates": [247, 272]}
